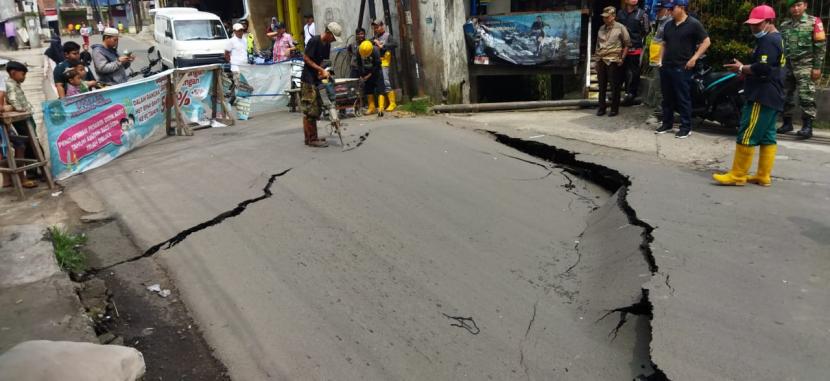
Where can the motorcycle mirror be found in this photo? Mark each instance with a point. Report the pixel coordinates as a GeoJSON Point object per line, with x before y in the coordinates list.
{"type": "Point", "coordinates": [151, 50]}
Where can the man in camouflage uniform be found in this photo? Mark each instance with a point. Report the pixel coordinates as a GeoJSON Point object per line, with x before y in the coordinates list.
{"type": "Point", "coordinates": [805, 46]}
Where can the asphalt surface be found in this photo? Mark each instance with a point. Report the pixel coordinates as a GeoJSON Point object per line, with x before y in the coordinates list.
{"type": "Point", "coordinates": [356, 264]}
{"type": "Point", "coordinates": [350, 269]}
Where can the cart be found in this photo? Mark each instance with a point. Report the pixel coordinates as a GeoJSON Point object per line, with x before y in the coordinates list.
{"type": "Point", "coordinates": [349, 96]}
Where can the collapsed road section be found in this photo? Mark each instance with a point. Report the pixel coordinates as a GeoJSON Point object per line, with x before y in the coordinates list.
{"type": "Point", "coordinates": [432, 253]}
{"type": "Point", "coordinates": [601, 231]}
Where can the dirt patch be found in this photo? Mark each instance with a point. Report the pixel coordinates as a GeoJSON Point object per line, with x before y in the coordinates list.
{"type": "Point", "coordinates": [131, 315]}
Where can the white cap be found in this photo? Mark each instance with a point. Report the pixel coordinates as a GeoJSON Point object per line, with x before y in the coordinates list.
{"type": "Point", "coordinates": [335, 30]}
{"type": "Point", "coordinates": [238, 26]}
{"type": "Point", "coordinates": [111, 32]}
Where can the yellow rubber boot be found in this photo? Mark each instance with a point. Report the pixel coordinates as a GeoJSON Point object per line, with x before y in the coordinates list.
{"type": "Point", "coordinates": [740, 167]}
{"type": "Point", "coordinates": [765, 163]}
{"type": "Point", "coordinates": [370, 99]}
{"type": "Point", "coordinates": [392, 104]}
{"type": "Point", "coordinates": [381, 104]}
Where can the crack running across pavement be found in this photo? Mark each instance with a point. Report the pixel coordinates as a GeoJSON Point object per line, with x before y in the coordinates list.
{"type": "Point", "coordinates": [524, 340]}
{"type": "Point", "coordinates": [612, 181]}
{"type": "Point", "coordinates": [181, 236]}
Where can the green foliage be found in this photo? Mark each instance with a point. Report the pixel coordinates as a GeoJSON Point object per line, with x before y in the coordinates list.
{"type": "Point", "coordinates": [67, 246]}
{"type": "Point", "coordinates": [418, 106]}
{"type": "Point", "coordinates": [543, 86]}
{"type": "Point", "coordinates": [724, 21]}
{"type": "Point", "coordinates": [721, 53]}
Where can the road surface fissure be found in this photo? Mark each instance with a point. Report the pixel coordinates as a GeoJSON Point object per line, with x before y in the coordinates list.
{"type": "Point", "coordinates": [612, 181]}
{"type": "Point", "coordinates": [182, 235]}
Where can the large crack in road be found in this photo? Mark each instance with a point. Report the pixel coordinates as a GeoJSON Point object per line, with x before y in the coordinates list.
{"type": "Point", "coordinates": [182, 235]}
{"type": "Point", "coordinates": [607, 178]}
{"type": "Point", "coordinates": [614, 182]}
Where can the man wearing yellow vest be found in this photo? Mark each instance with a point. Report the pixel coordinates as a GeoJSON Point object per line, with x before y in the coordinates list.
{"type": "Point", "coordinates": [384, 41]}
{"type": "Point", "coordinates": [249, 41]}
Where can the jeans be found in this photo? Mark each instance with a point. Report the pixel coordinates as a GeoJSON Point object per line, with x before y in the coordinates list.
{"type": "Point", "coordinates": [632, 74]}
{"type": "Point", "coordinates": [387, 79]}
{"type": "Point", "coordinates": [609, 72]}
{"type": "Point", "coordinates": [676, 83]}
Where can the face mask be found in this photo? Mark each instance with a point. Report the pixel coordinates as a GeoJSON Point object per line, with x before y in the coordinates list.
{"type": "Point", "coordinates": [761, 33]}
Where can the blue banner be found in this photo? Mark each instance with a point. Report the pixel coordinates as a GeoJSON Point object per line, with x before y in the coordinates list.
{"type": "Point", "coordinates": [550, 38]}
{"type": "Point", "coordinates": [195, 97]}
{"type": "Point", "coordinates": [91, 129]}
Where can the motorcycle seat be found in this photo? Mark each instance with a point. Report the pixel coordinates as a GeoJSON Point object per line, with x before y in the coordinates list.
{"type": "Point", "coordinates": [714, 78]}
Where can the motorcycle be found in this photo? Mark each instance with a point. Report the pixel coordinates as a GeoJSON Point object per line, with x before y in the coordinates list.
{"type": "Point", "coordinates": [717, 95]}
{"type": "Point", "coordinates": [148, 71]}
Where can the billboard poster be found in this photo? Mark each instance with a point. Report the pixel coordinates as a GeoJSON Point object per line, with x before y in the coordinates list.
{"type": "Point", "coordinates": [264, 87]}
{"type": "Point", "coordinates": [548, 38]}
{"type": "Point", "coordinates": [88, 130]}
{"type": "Point", "coordinates": [195, 96]}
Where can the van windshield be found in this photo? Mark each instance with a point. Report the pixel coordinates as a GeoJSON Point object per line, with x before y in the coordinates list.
{"type": "Point", "coordinates": [190, 30]}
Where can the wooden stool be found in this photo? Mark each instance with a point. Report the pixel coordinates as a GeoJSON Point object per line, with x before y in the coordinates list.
{"type": "Point", "coordinates": [10, 164]}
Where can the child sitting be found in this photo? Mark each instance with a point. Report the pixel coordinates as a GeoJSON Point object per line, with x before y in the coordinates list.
{"type": "Point", "coordinates": [18, 102]}
{"type": "Point", "coordinates": [74, 83]}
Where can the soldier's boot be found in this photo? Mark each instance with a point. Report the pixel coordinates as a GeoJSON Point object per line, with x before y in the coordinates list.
{"type": "Point", "coordinates": [765, 163]}
{"type": "Point", "coordinates": [806, 131]}
{"type": "Point", "coordinates": [740, 167]}
{"type": "Point", "coordinates": [370, 99]}
{"type": "Point", "coordinates": [787, 126]}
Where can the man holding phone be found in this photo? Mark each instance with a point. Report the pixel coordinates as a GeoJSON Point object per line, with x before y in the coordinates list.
{"type": "Point", "coordinates": [764, 92]}
{"type": "Point", "coordinates": [110, 67]}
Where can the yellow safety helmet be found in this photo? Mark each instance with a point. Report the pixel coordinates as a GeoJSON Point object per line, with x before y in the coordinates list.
{"type": "Point", "coordinates": [365, 49]}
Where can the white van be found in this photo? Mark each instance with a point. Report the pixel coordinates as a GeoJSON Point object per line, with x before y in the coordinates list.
{"type": "Point", "coordinates": [188, 37]}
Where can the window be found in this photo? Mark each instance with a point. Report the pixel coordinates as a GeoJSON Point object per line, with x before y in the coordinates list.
{"type": "Point", "coordinates": [189, 30]}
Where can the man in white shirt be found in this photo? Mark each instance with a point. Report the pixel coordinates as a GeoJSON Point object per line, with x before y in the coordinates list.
{"type": "Point", "coordinates": [236, 50]}
{"type": "Point", "coordinates": [309, 28]}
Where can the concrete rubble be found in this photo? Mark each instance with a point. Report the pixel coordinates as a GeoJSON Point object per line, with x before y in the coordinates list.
{"type": "Point", "coordinates": [42, 360]}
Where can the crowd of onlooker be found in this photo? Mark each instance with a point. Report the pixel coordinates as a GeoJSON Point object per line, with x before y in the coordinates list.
{"type": "Point", "coordinates": [678, 42]}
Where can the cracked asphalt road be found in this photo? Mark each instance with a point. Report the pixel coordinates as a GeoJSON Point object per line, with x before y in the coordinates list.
{"type": "Point", "coordinates": [362, 264]}
{"type": "Point", "coordinates": [366, 264]}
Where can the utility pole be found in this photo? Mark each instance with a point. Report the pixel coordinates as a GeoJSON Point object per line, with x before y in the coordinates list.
{"type": "Point", "coordinates": [361, 13]}
{"type": "Point", "coordinates": [411, 65]}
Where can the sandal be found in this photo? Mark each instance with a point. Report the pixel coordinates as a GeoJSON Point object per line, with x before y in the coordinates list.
{"type": "Point", "coordinates": [29, 184]}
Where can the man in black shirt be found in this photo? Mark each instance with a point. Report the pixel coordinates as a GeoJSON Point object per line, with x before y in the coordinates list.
{"type": "Point", "coordinates": [316, 51]}
{"type": "Point", "coordinates": [684, 41]}
{"type": "Point", "coordinates": [636, 22]}
{"type": "Point", "coordinates": [764, 92]}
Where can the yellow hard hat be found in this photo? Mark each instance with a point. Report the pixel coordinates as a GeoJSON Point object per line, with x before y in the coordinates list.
{"type": "Point", "coordinates": [365, 49]}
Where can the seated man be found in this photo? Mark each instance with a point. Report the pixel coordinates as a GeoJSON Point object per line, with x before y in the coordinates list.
{"type": "Point", "coordinates": [78, 66]}
{"type": "Point", "coordinates": [18, 102]}
{"type": "Point", "coordinates": [71, 52]}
